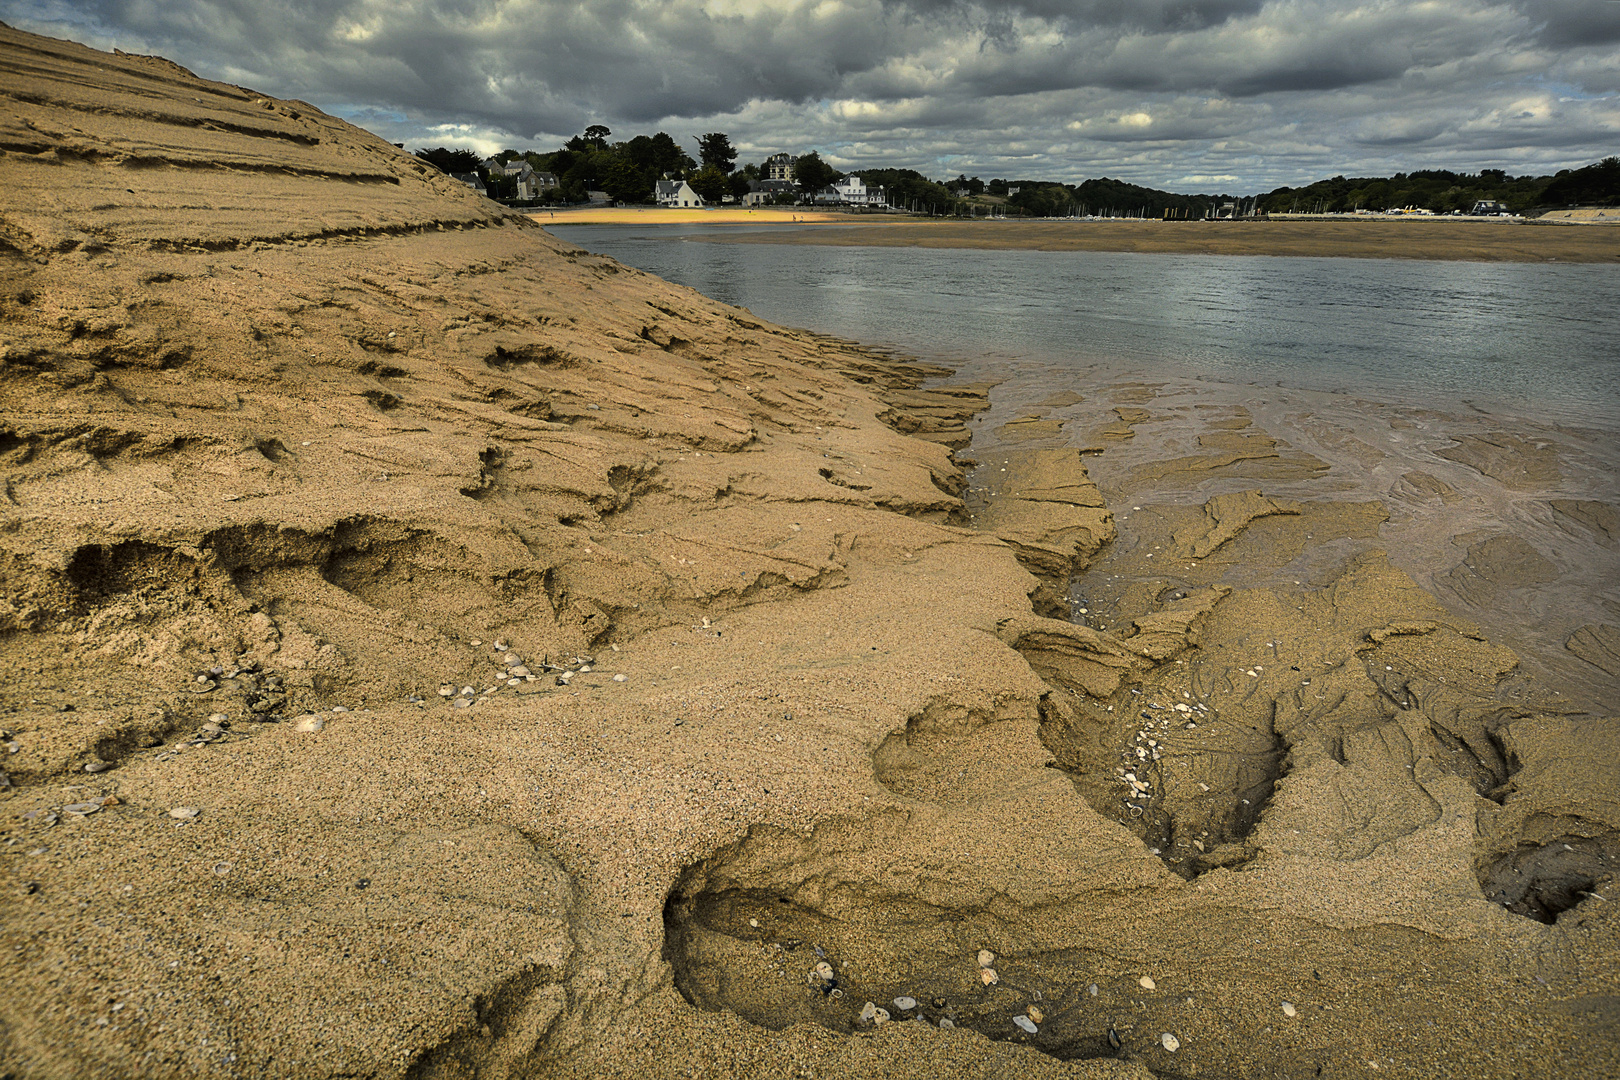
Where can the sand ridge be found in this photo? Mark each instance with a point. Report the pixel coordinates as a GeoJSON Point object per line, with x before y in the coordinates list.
{"type": "Point", "coordinates": [296, 434]}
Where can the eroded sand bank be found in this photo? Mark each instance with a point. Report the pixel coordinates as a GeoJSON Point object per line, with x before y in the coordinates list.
{"type": "Point", "coordinates": [296, 431]}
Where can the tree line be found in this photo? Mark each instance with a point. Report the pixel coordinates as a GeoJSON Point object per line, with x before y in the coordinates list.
{"type": "Point", "coordinates": [628, 170]}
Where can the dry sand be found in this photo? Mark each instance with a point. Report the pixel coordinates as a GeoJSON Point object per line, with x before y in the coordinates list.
{"type": "Point", "coordinates": [296, 430]}
{"type": "Point", "coordinates": [720, 215]}
{"type": "Point", "coordinates": [1478, 240]}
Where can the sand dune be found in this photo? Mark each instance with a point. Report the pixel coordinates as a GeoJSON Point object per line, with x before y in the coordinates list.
{"type": "Point", "coordinates": [431, 650]}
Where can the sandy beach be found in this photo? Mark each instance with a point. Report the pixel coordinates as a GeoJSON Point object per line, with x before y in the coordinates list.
{"type": "Point", "coordinates": [429, 649]}
{"type": "Point", "coordinates": [1480, 240]}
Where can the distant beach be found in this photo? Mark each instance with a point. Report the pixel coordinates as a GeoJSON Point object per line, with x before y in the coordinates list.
{"type": "Point", "coordinates": [1452, 239]}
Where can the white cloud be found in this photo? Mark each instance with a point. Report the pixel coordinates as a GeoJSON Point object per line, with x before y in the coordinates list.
{"type": "Point", "coordinates": [1154, 91]}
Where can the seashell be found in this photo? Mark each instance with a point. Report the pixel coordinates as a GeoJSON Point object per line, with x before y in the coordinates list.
{"type": "Point", "coordinates": [447, 690]}
{"type": "Point", "coordinates": [1093, 990]}
{"type": "Point", "coordinates": [823, 971]}
{"type": "Point", "coordinates": [1169, 1042]}
{"type": "Point", "coordinates": [1146, 983]}
{"type": "Point", "coordinates": [1289, 1010]}
{"type": "Point", "coordinates": [881, 1016]}
{"type": "Point", "coordinates": [988, 976]}
{"type": "Point", "coordinates": [986, 958]}
{"type": "Point", "coordinates": [81, 808]}
{"type": "Point", "coordinates": [460, 703]}
{"type": "Point", "coordinates": [514, 682]}
{"type": "Point", "coordinates": [1114, 1041]}
{"type": "Point", "coordinates": [184, 813]}
{"type": "Point", "coordinates": [219, 719]}
{"type": "Point", "coordinates": [512, 659]}
{"type": "Point", "coordinates": [1035, 1014]}
{"type": "Point", "coordinates": [868, 1013]}
{"type": "Point", "coordinates": [340, 708]}
{"type": "Point", "coordinates": [309, 723]}
{"type": "Point", "coordinates": [905, 1004]}
{"type": "Point", "coordinates": [475, 641]}
{"type": "Point", "coordinates": [1026, 1024]}
{"type": "Point", "coordinates": [620, 677]}
{"type": "Point", "coordinates": [223, 868]}
{"type": "Point", "coordinates": [836, 994]}
{"type": "Point", "coordinates": [517, 671]}
{"type": "Point", "coordinates": [946, 1022]}
{"type": "Point", "coordinates": [96, 766]}
{"type": "Point", "coordinates": [500, 646]}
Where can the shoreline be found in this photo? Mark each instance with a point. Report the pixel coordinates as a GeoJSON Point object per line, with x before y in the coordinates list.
{"type": "Point", "coordinates": [430, 649]}
{"type": "Point", "coordinates": [1420, 240]}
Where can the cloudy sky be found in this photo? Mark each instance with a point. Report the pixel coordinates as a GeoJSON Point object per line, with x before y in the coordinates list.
{"type": "Point", "coordinates": [1190, 95]}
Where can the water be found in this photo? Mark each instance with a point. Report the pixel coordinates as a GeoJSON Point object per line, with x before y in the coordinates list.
{"type": "Point", "coordinates": [1533, 339]}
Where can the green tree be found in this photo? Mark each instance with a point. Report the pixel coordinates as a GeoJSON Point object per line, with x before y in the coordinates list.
{"type": "Point", "coordinates": [812, 174]}
{"type": "Point", "coordinates": [450, 161]}
{"type": "Point", "coordinates": [715, 149]}
{"type": "Point", "coordinates": [710, 184]}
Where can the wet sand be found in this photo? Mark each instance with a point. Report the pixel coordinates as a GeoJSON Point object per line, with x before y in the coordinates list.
{"type": "Point", "coordinates": [430, 650]}
{"type": "Point", "coordinates": [1478, 240]}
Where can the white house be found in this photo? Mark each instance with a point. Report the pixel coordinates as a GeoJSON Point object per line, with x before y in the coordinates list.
{"type": "Point", "coordinates": [852, 191]}
{"type": "Point", "coordinates": [677, 193]}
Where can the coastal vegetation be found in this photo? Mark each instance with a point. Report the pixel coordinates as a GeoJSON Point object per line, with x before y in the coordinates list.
{"type": "Point", "coordinates": [627, 171]}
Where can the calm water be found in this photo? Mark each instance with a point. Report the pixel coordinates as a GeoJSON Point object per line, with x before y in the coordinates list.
{"type": "Point", "coordinates": [1530, 338]}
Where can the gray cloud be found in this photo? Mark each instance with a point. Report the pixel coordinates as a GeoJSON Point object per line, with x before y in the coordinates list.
{"type": "Point", "coordinates": [1266, 91]}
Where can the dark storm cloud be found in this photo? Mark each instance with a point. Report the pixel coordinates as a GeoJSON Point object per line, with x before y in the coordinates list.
{"type": "Point", "coordinates": [1566, 23]}
{"type": "Point", "coordinates": [1191, 86]}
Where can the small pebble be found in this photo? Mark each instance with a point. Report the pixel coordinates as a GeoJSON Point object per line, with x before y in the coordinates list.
{"type": "Point", "coordinates": [986, 958]}
{"type": "Point", "coordinates": [96, 766]}
{"type": "Point", "coordinates": [447, 690]}
{"type": "Point", "coordinates": [620, 677]}
{"type": "Point", "coordinates": [340, 708]}
{"type": "Point", "coordinates": [1169, 1042]}
{"type": "Point", "coordinates": [1146, 983]}
{"type": "Point", "coordinates": [1035, 1014]}
{"type": "Point", "coordinates": [905, 1004]}
{"type": "Point", "coordinates": [184, 813]}
{"type": "Point", "coordinates": [475, 642]}
{"type": "Point", "coordinates": [947, 1023]}
{"type": "Point", "coordinates": [461, 703]}
{"type": "Point", "coordinates": [218, 718]}
{"type": "Point", "coordinates": [223, 868]}
{"type": "Point", "coordinates": [754, 923]}
{"type": "Point", "coordinates": [1289, 1010]}
{"type": "Point", "coordinates": [1093, 990]}
{"type": "Point", "coordinates": [308, 724]}
{"type": "Point", "coordinates": [1026, 1024]}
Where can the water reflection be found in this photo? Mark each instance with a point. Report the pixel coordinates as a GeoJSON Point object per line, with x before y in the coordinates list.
{"type": "Point", "coordinates": [1522, 336]}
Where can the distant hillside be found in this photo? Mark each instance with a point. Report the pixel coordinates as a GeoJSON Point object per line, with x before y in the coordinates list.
{"type": "Point", "coordinates": [1443, 191]}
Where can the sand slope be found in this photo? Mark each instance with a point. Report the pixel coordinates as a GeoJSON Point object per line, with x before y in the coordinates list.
{"type": "Point", "coordinates": [295, 433]}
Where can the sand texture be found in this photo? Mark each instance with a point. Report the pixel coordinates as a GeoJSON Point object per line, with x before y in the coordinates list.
{"type": "Point", "coordinates": [429, 650]}
{"type": "Point", "coordinates": [1475, 240]}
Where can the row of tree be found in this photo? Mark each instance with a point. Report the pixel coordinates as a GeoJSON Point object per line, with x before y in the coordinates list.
{"type": "Point", "coordinates": [1443, 191]}
{"type": "Point", "coordinates": [627, 171]}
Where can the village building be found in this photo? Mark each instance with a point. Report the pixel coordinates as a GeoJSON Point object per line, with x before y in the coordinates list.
{"type": "Point", "coordinates": [677, 193]}
{"type": "Point", "coordinates": [780, 166]}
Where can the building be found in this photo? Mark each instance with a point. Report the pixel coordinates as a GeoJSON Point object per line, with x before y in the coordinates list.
{"type": "Point", "coordinates": [1488, 208]}
{"type": "Point", "coordinates": [852, 191]}
{"type": "Point", "coordinates": [472, 180]}
{"type": "Point", "coordinates": [530, 184]}
{"type": "Point", "coordinates": [780, 166]}
{"type": "Point", "coordinates": [677, 193]}
{"type": "Point", "coordinates": [764, 192]}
